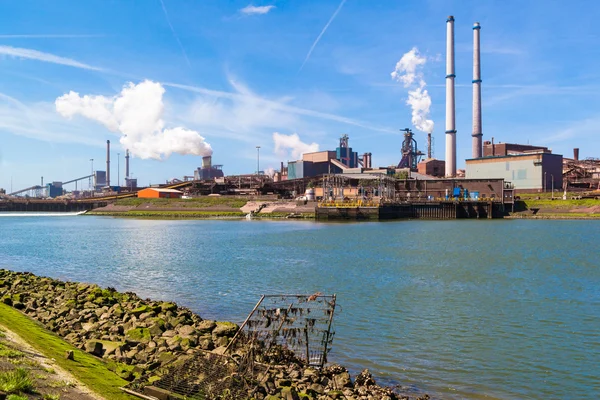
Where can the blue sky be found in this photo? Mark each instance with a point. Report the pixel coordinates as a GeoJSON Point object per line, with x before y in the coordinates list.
{"type": "Point", "coordinates": [236, 78]}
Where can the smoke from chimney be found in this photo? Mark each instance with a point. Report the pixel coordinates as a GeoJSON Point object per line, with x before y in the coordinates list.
{"type": "Point", "coordinates": [136, 112]}
{"type": "Point", "coordinates": [408, 72]}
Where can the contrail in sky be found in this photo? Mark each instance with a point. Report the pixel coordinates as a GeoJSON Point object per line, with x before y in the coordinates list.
{"type": "Point", "coordinates": [322, 32]}
{"type": "Point", "coordinates": [49, 36]}
{"type": "Point", "coordinates": [175, 33]}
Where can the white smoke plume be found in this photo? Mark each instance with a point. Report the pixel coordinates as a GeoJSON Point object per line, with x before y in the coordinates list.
{"type": "Point", "coordinates": [292, 145]}
{"type": "Point", "coordinates": [136, 113]}
{"type": "Point", "coordinates": [270, 172]}
{"type": "Point", "coordinates": [408, 72]}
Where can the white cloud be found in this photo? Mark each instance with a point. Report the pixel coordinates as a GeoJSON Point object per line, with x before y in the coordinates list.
{"type": "Point", "coordinates": [256, 10]}
{"type": "Point", "coordinates": [46, 57]}
{"type": "Point", "coordinates": [292, 145]}
{"type": "Point", "coordinates": [136, 113]}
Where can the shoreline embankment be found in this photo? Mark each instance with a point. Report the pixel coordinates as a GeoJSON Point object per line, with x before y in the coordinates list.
{"type": "Point", "coordinates": [138, 339]}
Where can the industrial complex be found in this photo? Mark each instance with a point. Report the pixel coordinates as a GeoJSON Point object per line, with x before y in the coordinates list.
{"type": "Point", "coordinates": [344, 183]}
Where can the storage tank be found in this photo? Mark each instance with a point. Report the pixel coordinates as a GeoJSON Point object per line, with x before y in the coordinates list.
{"type": "Point", "coordinates": [310, 194]}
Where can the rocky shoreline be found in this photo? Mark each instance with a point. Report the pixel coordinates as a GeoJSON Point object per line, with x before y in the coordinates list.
{"type": "Point", "coordinates": [138, 337]}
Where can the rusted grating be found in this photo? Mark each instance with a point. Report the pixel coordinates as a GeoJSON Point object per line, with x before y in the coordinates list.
{"type": "Point", "coordinates": [299, 323]}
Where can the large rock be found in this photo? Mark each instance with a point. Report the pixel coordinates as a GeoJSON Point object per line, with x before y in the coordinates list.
{"type": "Point", "coordinates": [225, 329]}
{"type": "Point", "coordinates": [94, 347]}
{"type": "Point", "coordinates": [141, 335]}
{"type": "Point", "coordinates": [205, 326]}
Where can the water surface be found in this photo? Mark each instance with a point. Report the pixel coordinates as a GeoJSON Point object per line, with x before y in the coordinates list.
{"type": "Point", "coordinates": [460, 309]}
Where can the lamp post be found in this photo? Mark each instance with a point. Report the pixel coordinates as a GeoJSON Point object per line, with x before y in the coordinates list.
{"type": "Point", "coordinates": [545, 182]}
{"type": "Point", "coordinates": [257, 160]}
{"type": "Point", "coordinates": [551, 175]}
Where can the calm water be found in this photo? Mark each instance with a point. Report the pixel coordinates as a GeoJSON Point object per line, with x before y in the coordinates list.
{"type": "Point", "coordinates": [461, 309]}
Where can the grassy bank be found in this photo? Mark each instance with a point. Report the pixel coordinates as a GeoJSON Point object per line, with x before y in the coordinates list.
{"type": "Point", "coordinates": [196, 202]}
{"type": "Point", "coordinates": [86, 368]}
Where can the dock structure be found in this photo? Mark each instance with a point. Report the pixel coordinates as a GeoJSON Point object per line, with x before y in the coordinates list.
{"type": "Point", "coordinates": [431, 210]}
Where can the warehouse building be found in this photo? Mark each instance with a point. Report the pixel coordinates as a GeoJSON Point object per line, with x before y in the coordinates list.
{"type": "Point", "coordinates": [531, 171]}
{"type": "Point", "coordinates": [156, 193]}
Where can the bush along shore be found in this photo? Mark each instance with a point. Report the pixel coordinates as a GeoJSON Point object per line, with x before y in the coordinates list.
{"type": "Point", "coordinates": [139, 339]}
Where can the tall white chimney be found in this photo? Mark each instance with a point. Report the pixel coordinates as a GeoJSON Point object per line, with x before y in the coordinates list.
{"type": "Point", "coordinates": [127, 163]}
{"type": "Point", "coordinates": [108, 163]}
{"type": "Point", "coordinates": [450, 109]}
{"type": "Point", "coordinates": [477, 134]}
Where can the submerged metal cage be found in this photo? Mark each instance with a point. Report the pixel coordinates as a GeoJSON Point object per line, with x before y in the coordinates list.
{"type": "Point", "coordinates": [299, 323]}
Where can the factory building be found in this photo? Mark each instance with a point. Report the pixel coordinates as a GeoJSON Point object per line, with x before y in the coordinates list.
{"type": "Point", "coordinates": [578, 173]}
{"type": "Point", "coordinates": [432, 167]}
{"type": "Point", "coordinates": [491, 149]}
{"type": "Point", "coordinates": [208, 171]}
{"type": "Point", "coordinates": [538, 171]}
{"type": "Point", "coordinates": [158, 193]}
{"type": "Point", "coordinates": [343, 159]}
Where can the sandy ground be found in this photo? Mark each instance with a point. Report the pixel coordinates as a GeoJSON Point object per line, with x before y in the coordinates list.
{"type": "Point", "coordinates": [49, 377]}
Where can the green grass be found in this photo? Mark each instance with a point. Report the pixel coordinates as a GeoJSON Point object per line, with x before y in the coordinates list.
{"type": "Point", "coordinates": [16, 381]}
{"type": "Point", "coordinates": [51, 397]}
{"type": "Point", "coordinates": [10, 353]}
{"type": "Point", "coordinates": [197, 202]}
{"type": "Point", "coordinates": [560, 203]}
{"type": "Point", "coordinates": [16, 397]}
{"type": "Point", "coordinates": [91, 371]}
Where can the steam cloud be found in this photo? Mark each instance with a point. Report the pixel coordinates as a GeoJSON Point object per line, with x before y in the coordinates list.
{"type": "Point", "coordinates": [408, 73]}
{"type": "Point", "coordinates": [136, 113]}
{"type": "Point", "coordinates": [292, 144]}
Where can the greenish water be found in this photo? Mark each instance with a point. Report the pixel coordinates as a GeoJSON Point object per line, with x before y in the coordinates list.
{"type": "Point", "coordinates": [458, 309]}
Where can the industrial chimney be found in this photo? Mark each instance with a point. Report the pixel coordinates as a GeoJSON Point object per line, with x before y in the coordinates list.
{"type": "Point", "coordinates": [206, 162]}
{"type": "Point", "coordinates": [477, 134]}
{"type": "Point", "coordinates": [127, 164]}
{"type": "Point", "coordinates": [576, 154]}
{"type": "Point", "coordinates": [450, 109]}
{"type": "Point", "coordinates": [108, 163]}
{"type": "Point", "coordinates": [429, 152]}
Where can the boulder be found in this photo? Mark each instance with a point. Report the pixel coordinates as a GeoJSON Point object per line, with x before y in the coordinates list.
{"type": "Point", "coordinates": [94, 347]}
{"type": "Point", "coordinates": [205, 326]}
{"type": "Point", "coordinates": [225, 329]}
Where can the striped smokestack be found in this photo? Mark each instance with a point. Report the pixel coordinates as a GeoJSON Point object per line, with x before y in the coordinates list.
{"type": "Point", "coordinates": [450, 109]}
{"type": "Point", "coordinates": [477, 134]}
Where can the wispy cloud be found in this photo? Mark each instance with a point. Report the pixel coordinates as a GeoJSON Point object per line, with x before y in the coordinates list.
{"type": "Point", "coordinates": [175, 33]}
{"type": "Point", "coordinates": [51, 36]}
{"type": "Point", "coordinates": [45, 57]}
{"type": "Point", "coordinates": [322, 32]}
{"type": "Point", "coordinates": [256, 10]}
{"type": "Point", "coordinates": [261, 103]}
{"type": "Point", "coordinates": [39, 121]}
{"type": "Point", "coordinates": [584, 128]}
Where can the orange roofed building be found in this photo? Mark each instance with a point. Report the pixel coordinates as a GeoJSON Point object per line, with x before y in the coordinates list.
{"type": "Point", "coordinates": [158, 193]}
